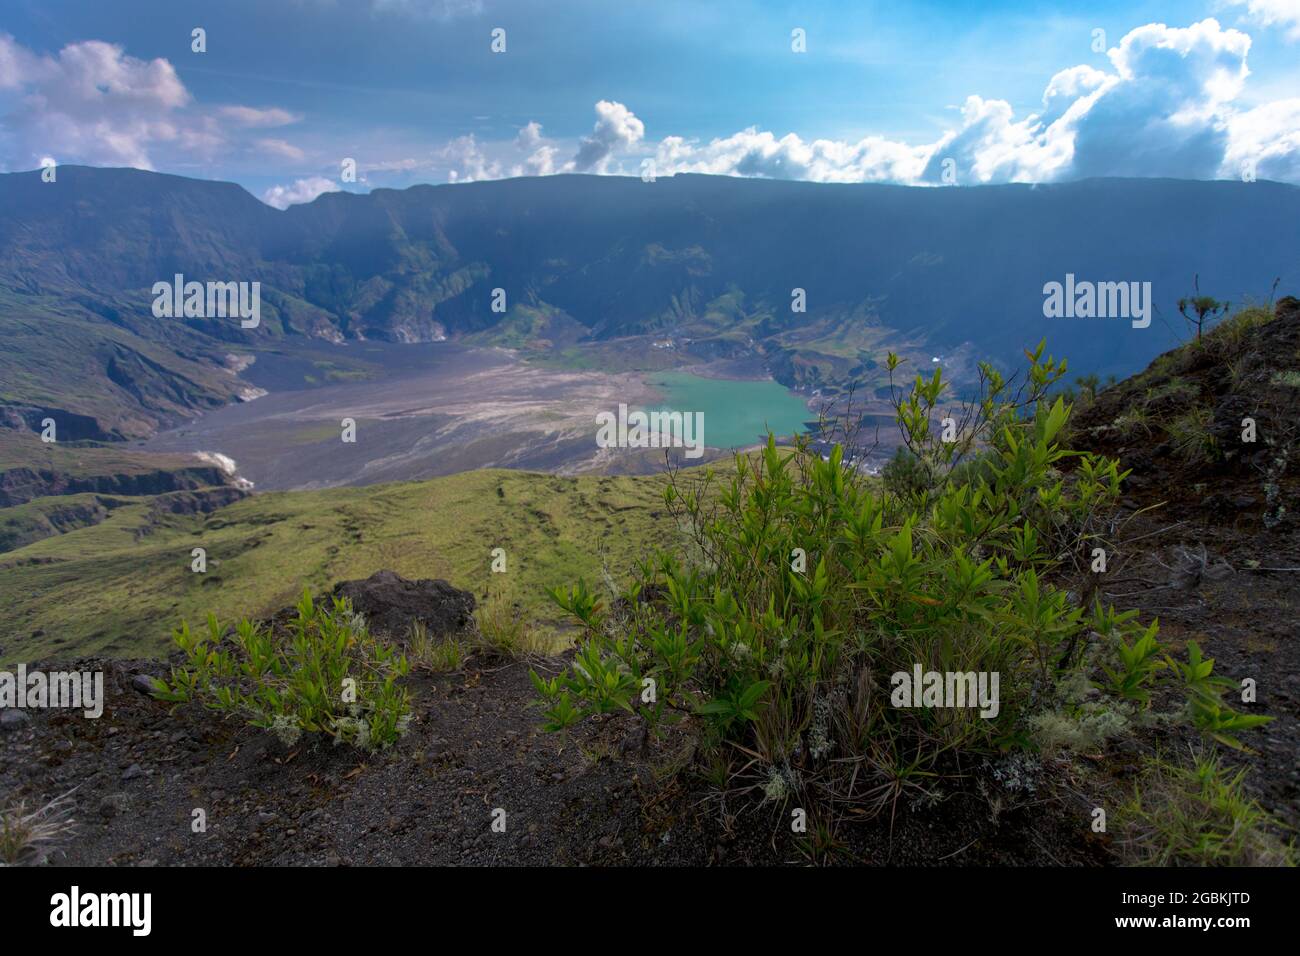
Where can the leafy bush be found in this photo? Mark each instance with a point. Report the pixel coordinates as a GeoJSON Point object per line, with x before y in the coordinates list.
{"type": "Point", "coordinates": [905, 476]}
{"type": "Point", "coordinates": [1205, 699]}
{"type": "Point", "coordinates": [814, 588]}
{"type": "Point", "coordinates": [323, 673]}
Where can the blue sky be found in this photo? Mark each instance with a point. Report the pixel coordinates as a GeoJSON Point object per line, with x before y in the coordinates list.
{"type": "Point", "coordinates": [410, 89]}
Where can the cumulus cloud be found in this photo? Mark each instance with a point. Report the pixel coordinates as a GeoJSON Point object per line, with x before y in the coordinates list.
{"type": "Point", "coordinates": [1166, 108]}
{"type": "Point", "coordinates": [617, 128]}
{"type": "Point", "coordinates": [1265, 142]}
{"type": "Point", "coordinates": [530, 137]}
{"type": "Point", "coordinates": [541, 154]}
{"type": "Point", "coordinates": [1167, 103]}
{"type": "Point", "coordinates": [752, 152]}
{"type": "Point", "coordinates": [91, 103]}
{"type": "Point", "coordinates": [1268, 13]}
{"type": "Point", "coordinates": [302, 190]}
{"type": "Point", "coordinates": [467, 162]}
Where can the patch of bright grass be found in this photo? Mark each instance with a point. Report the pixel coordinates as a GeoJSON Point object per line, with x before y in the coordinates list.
{"type": "Point", "coordinates": [119, 587]}
{"type": "Point", "coordinates": [1199, 815]}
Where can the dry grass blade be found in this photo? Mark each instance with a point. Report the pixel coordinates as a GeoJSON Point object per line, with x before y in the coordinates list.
{"type": "Point", "coordinates": [29, 837]}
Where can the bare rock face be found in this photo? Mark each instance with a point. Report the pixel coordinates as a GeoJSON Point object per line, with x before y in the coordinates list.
{"type": "Point", "coordinates": [391, 603]}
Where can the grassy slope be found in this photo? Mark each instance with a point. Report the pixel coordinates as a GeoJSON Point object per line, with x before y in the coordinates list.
{"type": "Point", "coordinates": [85, 459]}
{"type": "Point", "coordinates": [45, 517]}
{"type": "Point", "coordinates": [117, 588]}
{"type": "Point", "coordinates": [55, 354]}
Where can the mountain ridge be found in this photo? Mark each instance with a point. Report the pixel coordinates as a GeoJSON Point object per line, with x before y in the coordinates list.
{"type": "Point", "coordinates": [707, 264]}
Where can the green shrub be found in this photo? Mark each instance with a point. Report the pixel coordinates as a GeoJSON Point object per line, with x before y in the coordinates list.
{"type": "Point", "coordinates": [1191, 437]}
{"type": "Point", "coordinates": [321, 674]}
{"type": "Point", "coordinates": [905, 476]}
{"type": "Point", "coordinates": [813, 589]}
{"type": "Point", "coordinates": [1205, 692]}
{"type": "Point", "coordinates": [1198, 815]}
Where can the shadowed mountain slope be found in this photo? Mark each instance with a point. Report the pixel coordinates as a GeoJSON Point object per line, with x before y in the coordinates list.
{"type": "Point", "coordinates": [707, 260]}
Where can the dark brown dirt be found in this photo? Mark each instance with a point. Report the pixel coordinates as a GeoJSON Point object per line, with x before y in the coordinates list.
{"type": "Point", "coordinates": [138, 774]}
{"type": "Point", "coordinates": [1212, 555]}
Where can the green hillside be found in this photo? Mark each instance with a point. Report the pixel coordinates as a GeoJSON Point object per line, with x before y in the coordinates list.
{"type": "Point", "coordinates": [98, 376]}
{"type": "Point", "coordinates": [117, 587]}
{"type": "Point", "coordinates": [86, 459]}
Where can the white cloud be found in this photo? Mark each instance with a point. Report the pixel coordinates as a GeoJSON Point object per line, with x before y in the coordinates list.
{"type": "Point", "coordinates": [617, 128]}
{"type": "Point", "coordinates": [1165, 109]}
{"type": "Point", "coordinates": [540, 163]}
{"type": "Point", "coordinates": [541, 154]}
{"type": "Point", "coordinates": [1168, 104]}
{"type": "Point", "coordinates": [752, 152]}
{"type": "Point", "coordinates": [259, 118]}
{"type": "Point", "coordinates": [1267, 141]}
{"type": "Point", "coordinates": [1283, 13]}
{"type": "Point", "coordinates": [530, 136]}
{"type": "Point", "coordinates": [467, 162]}
{"type": "Point", "coordinates": [302, 190]}
{"type": "Point", "coordinates": [281, 149]}
{"type": "Point", "coordinates": [93, 103]}
{"type": "Point", "coordinates": [90, 103]}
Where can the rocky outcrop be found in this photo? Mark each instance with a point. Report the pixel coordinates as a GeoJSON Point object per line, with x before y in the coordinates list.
{"type": "Point", "coordinates": [72, 427]}
{"type": "Point", "coordinates": [391, 603]}
{"type": "Point", "coordinates": [20, 485]}
{"type": "Point", "coordinates": [203, 501]}
{"type": "Point", "coordinates": [1179, 426]}
{"type": "Point", "coordinates": [46, 519]}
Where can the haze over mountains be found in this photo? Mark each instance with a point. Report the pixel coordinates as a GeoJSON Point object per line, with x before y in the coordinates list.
{"type": "Point", "coordinates": [708, 262]}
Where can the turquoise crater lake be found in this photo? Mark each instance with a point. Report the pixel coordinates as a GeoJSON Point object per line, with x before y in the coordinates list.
{"type": "Point", "coordinates": [736, 413]}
